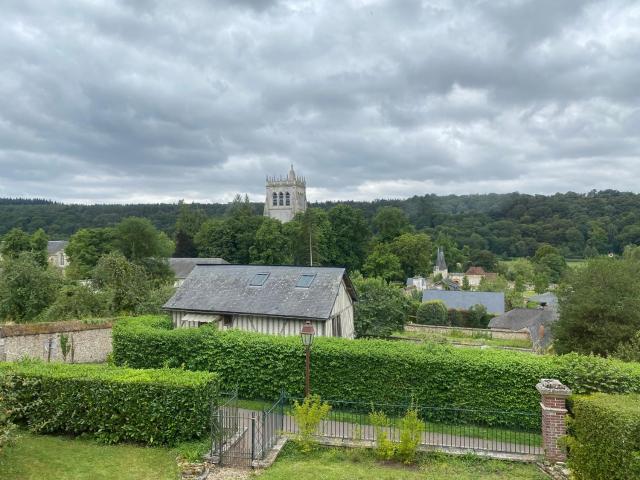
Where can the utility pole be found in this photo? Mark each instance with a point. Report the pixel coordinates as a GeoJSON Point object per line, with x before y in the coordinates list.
{"type": "Point", "coordinates": [310, 249]}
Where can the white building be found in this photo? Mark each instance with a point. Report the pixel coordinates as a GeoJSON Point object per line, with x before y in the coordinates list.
{"type": "Point", "coordinates": [275, 300]}
{"type": "Point", "coordinates": [55, 253]}
{"type": "Point", "coordinates": [286, 196]}
{"type": "Point", "coordinates": [419, 283]}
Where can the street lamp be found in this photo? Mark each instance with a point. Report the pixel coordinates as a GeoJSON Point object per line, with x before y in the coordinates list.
{"type": "Point", "coordinates": [307, 334]}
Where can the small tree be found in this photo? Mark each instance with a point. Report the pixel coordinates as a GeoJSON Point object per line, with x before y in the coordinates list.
{"type": "Point", "coordinates": [381, 308]}
{"type": "Point", "coordinates": [124, 283]}
{"type": "Point", "coordinates": [477, 317]}
{"type": "Point", "coordinates": [26, 289]}
{"type": "Point", "coordinates": [433, 312]}
{"type": "Point", "coordinates": [629, 351]}
{"type": "Point", "coordinates": [308, 416]}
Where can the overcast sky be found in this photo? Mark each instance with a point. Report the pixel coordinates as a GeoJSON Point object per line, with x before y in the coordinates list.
{"type": "Point", "coordinates": [145, 101]}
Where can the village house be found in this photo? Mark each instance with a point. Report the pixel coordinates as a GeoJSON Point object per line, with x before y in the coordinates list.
{"type": "Point", "coordinates": [536, 321]}
{"type": "Point", "coordinates": [55, 253]}
{"type": "Point", "coordinates": [275, 300]}
{"type": "Point", "coordinates": [181, 267]}
{"type": "Point", "coordinates": [474, 276]}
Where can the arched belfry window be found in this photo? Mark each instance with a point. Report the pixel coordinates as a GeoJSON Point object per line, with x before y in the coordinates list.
{"type": "Point", "coordinates": [287, 199]}
{"type": "Point", "coordinates": [281, 198]}
{"type": "Point", "coordinates": [275, 199]}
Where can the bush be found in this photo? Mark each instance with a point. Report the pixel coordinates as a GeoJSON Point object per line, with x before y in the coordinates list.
{"type": "Point", "coordinates": [366, 371]}
{"type": "Point", "coordinates": [433, 312]}
{"type": "Point", "coordinates": [604, 437]}
{"type": "Point", "coordinates": [385, 448]}
{"type": "Point", "coordinates": [308, 416]}
{"type": "Point", "coordinates": [74, 302]}
{"type": "Point", "coordinates": [411, 427]}
{"type": "Point", "coordinates": [7, 428]}
{"type": "Point", "coordinates": [629, 351]}
{"type": "Point", "coordinates": [381, 308]}
{"type": "Point", "coordinates": [475, 317]}
{"type": "Point", "coordinates": [114, 404]}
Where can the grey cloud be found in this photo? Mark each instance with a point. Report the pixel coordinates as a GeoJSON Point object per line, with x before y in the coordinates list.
{"type": "Point", "coordinates": [146, 101]}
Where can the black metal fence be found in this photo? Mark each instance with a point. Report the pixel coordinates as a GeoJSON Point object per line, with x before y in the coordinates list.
{"type": "Point", "coordinates": [243, 436]}
{"type": "Point", "coordinates": [353, 421]}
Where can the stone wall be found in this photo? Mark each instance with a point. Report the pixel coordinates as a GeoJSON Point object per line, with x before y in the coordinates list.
{"type": "Point", "coordinates": [86, 343]}
{"type": "Point", "coordinates": [491, 333]}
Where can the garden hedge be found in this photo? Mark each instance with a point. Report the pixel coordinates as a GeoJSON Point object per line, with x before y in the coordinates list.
{"type": "Point", "coordinates": [605, 437]}
{"type": "Point", "coordinates": [115, 404]}
{"type": "Point", "coordinates": [368, 370]}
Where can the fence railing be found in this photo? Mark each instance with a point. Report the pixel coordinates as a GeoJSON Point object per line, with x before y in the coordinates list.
{"type": "Point", "coordinates": [461, 430]}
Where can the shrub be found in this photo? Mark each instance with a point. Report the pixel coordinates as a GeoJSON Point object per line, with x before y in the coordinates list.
{"type": "Point", "coordinates": [115, 404]}
{"type": "Point", "coordinates": [629, 351]}
{"type": "Point", "coordinates": [385, 448]}
{"type": "Point", "coordinates": [604, 437]}
{"type": "Point", "coordinates": [7, 428]}
{"type": "Point", "coordinates": [308, 416]}
{"type": "Point", "coordinates": [411, 427]}
{"type": "Point", "coordinates": [433, 312]}
{"type": "Point", "coordinates": [378, 371]}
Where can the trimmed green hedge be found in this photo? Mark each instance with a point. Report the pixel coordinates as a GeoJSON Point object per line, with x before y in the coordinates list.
{"type": "Point", "coordinates": [115, 404]}
{"type": "Point", "coordinates": [368, 370]}
{"type": "Point", "coordinates": [604, 442]}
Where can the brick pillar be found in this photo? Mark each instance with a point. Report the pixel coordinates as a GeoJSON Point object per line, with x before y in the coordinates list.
{"type": "Point", "coordinates": [554, 410]}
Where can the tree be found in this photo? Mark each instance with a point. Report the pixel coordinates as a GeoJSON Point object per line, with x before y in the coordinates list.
{"type": "Point", "coordinates": [188, 223]}
{"type": "Point", "coordinates": [39, 242]}
{"type": "Point", "coordinates": [136, 238]}
{"type": "Point", "coordinates": [599, 307]}
{"type": "Point", "coordinates": [433, 312]}
{"type": "Point", "coordinates": [15, 242]}
{"type": "Point", "coordinates": [414, 252]}
{"type": "Point", "coordinates": [548, 261]}
{"type": "Point", "coordinates": [383, 264]}
{"type": "Point", "coordinates": [76, 302]}
{"type": "Point", "coordinates": [272, 246]}
{"type": "Point", "coordinates": [26, 289]}
{"type": "Point", "coordinates": [629, 351]}
{"type": "Point", "coordinates": [484, 259]}
{"type": "Point", "coordinates": [85, 248]}
{"type": "Point", "coordinates": [124, 283]}
{"type": "Point", "coordinates": [520, 270]}
{"type": "Point", "coordinates": [311, 236]}
{"type": "Point", "coordinates": [465, 283]}
{"type": "Point", "coordinates": [381, 308]}
{"type": "Point", "coordinates": [390, 222]}
{"type": "Point", "coordinates": [351, 235]}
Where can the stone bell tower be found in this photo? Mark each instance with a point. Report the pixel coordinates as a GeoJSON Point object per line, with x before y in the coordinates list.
{"type": "Point", "coordinates": [286, 196]}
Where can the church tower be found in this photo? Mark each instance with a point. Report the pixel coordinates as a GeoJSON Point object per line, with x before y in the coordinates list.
{"type": "Point", "coordinates": [286, 196]}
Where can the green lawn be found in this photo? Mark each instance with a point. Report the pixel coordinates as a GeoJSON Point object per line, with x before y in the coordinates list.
{"type": "Point", "coordinates": [344, 464]}
{"type": "Point", "coordinates": [461, 337]}
{"type": "Point", "coordinates": [44, 457]}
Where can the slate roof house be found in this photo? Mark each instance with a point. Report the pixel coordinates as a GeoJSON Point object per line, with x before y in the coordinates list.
{"type": "Point", "coordinates": [182, 267]}
{"type": "Point", "coordinates": [537, 321]}
{"type": "Point", "coordinates": [55, 253]}
{"type": "Point", "coordinates": [276, 300]}
{"type": "Point", "coordinates": [463, 300]}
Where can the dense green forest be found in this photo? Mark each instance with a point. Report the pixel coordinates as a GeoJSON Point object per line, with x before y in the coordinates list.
{"type": "Point", "coordinates": [509, 225]}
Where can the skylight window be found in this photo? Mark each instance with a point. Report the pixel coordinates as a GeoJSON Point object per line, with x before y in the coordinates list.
{"type": "Point", "coordinates": [258, 279]}
{"type": "Point", "coordinates": [305, 280]}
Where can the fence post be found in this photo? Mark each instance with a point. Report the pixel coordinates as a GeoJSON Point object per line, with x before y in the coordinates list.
{"type": "Point", "coordinates": [253, 436]}
{"type": "Point", "coordinates": [554, 409]}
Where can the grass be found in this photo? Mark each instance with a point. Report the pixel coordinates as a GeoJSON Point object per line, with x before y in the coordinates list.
{"type": "Point", "coordinates": [357, 464]}
{"type": "Point", "coordinates": [460, 337]}
{"type": "Point", "coordinates": [36, 457]}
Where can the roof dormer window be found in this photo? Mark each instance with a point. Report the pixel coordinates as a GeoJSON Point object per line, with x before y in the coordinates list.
{"type": "Point", "coordinates": [258, 279]}
{"type": "Point", "coordinates": [305, 280]}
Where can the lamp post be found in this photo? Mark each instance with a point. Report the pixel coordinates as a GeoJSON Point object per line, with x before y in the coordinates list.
{"type": "Point", "coordinates": [307, 334]}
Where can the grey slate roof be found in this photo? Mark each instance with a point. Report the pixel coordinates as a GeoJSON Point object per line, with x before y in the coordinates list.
{"type": "Point", "coordinates": [530, 319]}
{"type": "Point", "coordinates": [547, 298]}
{"type": "Point", "coordinates": [463, 300]}
{"type": "Point", "coordinates": [182, 266]}
{"type": "Point", "coordinates": [54, 246]}
{"type": "Point", "coordinates": [226, 289]}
